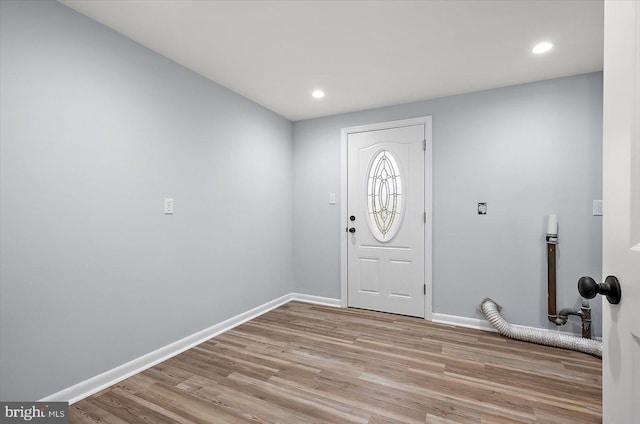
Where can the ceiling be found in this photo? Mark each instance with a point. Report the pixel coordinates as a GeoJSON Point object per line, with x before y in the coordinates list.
{"type": "Point", "coordinates": [363, 54]}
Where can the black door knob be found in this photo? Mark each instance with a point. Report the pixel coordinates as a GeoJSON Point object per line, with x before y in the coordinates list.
{"type": "Point", "coordinates": [588, 288]}
{"type": "Point", "coordinates": [352, 230]}
{"type": "Point", "coordinates": [352, 218]}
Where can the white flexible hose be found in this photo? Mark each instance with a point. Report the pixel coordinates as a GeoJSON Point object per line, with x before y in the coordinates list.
{"type": "Point", "coordinates": [533, 335]}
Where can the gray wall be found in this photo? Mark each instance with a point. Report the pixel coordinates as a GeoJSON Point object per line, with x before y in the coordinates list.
{"type": "Point", "coordinates": [95, 131]}
{"type": "Point", "coordinates": [526, 150]}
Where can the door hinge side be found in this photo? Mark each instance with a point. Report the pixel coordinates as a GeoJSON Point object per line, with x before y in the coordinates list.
{"type": "Point", "coordinates": [424, 145]}
{"type": "Point", "coordinates": [424, 289]}
{"type": "Point", "coordinates": [424, 216]}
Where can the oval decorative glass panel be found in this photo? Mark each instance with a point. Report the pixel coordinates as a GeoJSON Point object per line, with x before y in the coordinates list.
{"type": "Point", "coordinates": [385, 203]}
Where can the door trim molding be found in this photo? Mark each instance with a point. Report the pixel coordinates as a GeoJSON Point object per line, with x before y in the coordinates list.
{"type": "Point", "coordinates": [428, 200]}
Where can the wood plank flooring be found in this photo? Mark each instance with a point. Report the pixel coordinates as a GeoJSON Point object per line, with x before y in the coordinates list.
{"type": "Point", "coordinates": [304, 363]}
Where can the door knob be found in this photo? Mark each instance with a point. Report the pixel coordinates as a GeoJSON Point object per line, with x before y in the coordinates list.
{"type": "Point", "coordinates": [588, 288]}
{"type": "Point", "coordinates": [352, 230]}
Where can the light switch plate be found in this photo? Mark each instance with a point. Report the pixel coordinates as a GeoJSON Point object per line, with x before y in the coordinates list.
{"type": "Point", "coordinates": [598, 208]}
{"type": "Point", "coordinates": [332, 198]}
{"type": "Point", "coordinates": [168, 205]}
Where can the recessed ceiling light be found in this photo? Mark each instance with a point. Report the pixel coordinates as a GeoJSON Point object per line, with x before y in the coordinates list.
{"type": "Point", "coordinates": [318, 94]}
{"type": "Point", "coordinates": [542, 47]}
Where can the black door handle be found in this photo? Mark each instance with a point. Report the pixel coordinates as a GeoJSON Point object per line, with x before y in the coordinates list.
{"type": "Point", "coordinates": [588, 288]}
{"type": "Point", "coordinates": [352, 230]}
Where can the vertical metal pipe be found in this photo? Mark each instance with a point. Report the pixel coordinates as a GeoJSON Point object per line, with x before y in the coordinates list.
{"type": "Point", "coordinates": [551, 282]}
{"type": "Point", "coordinates": [585, 316]}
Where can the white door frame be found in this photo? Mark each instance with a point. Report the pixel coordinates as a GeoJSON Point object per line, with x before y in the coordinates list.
{"type": "Point", "coordinates": [428, 202]}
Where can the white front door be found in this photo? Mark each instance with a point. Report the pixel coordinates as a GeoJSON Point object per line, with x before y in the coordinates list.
{"type": "Point", "coordinates": [621, 225]}
{"type": "Point", "coordinates": [386, 219]}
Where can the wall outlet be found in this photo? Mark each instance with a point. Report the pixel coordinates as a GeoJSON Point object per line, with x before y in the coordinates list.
{"type": "Point", "coordinates": [168, 205]}
{"type": "Point", "coordinates": [598, 208]}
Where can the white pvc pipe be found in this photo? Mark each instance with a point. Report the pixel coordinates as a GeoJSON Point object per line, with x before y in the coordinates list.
{"type": "Point", "coordinates": [552, 225]}
{"type": "Point", "coordinates": [533, 335]}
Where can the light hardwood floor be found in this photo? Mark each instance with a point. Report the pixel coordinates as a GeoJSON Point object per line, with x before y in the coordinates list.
{"type": "Point", "coordinates": [303, 363]}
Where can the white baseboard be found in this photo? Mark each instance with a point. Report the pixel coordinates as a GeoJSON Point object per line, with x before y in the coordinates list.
{"type": "Point", "coordinates": [326, 301]}
{"type": "Point", "coordinates": [481, 324]}
{"type": "Point", "coordinates": [478, 324]}
{"type": "Point", "coordinates": [93, 385]}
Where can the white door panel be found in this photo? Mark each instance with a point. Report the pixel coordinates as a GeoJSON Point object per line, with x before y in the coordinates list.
{"type": "Point", "coordinates": [386, 196]}
{"type": "Point", "coordinates": [621, 220]}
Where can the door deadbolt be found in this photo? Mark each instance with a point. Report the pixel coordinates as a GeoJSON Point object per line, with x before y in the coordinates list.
{"type": "Point", "coordinates": [352, 218]}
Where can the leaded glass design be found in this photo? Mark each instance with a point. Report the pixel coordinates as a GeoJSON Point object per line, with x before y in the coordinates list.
{"type": "Point", "coordinates": [384, 196]}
